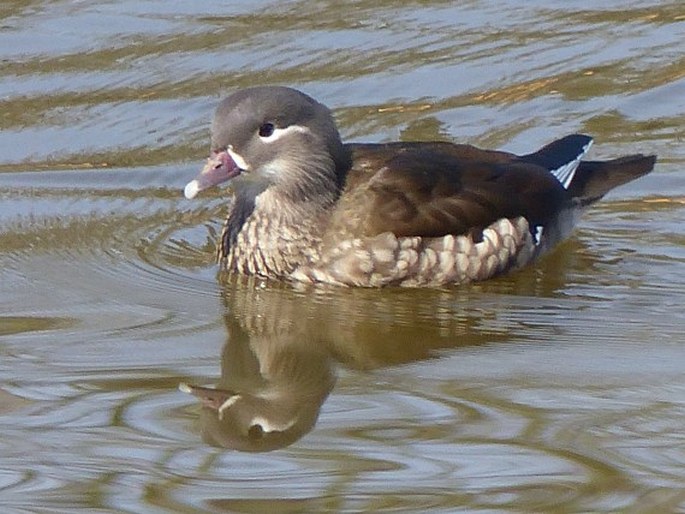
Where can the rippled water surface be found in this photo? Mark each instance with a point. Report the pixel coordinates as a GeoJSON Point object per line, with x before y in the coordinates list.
{"type": "Point", "coordinates": [558, 389]}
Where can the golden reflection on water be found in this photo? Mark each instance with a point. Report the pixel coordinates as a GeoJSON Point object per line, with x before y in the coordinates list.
{"type": "Point", "coordinates": [556, 389]}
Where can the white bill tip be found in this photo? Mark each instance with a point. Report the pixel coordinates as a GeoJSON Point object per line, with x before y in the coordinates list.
{"type": "Point", "coordinates": [192, 189]}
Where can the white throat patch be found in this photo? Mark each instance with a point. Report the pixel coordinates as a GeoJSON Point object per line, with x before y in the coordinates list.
{"type": "Point", "coordinates": [238, 159]}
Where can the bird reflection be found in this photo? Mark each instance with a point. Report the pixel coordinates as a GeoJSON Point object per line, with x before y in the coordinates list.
{"type": "Point", "coordinates": [283, 344]}
{"type": "Point", "coordinates": [270, 391]}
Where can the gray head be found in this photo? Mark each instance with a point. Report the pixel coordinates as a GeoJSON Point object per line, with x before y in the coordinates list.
{"type": "Point", "coordinates": [255, 422]}
{"type": "Point", "coordinates": [281, 137]}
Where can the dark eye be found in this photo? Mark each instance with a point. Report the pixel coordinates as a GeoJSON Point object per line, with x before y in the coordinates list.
{"type": "Point", "coordinates": [255, 432]}
{"type": "Point", "coordinates": [266, 129]}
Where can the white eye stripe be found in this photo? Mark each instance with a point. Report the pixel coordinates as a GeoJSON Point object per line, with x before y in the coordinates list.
{"type": "Point", "coordinates": [278, 133]}
{"type": "Point", "coordinates": [269, 427]}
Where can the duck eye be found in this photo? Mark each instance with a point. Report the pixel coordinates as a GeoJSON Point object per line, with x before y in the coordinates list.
{"type": "Point", "coordinates": [255, 432]}
{"type": "Point", "coordinates": [266, 129]}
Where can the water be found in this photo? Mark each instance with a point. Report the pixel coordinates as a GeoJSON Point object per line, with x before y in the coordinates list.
{"type": "Point", "coordinates": [557, 389]}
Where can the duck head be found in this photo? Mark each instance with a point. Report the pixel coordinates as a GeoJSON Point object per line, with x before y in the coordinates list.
{"type": "Point", "coordinates": [280, 137]}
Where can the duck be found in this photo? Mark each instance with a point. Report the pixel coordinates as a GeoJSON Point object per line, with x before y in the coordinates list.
{"type": "Point", "coordinates": [308, 208]}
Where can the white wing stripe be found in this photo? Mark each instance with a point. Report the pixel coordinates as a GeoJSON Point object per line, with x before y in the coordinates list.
{"type": "Point", "coordinates": [566, 172]}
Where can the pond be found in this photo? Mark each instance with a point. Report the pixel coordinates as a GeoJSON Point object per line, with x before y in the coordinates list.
{"type": "Point", "coordinates": [559, 388]}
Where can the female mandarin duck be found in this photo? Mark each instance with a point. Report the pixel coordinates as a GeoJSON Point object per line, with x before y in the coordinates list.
{"type": "Point", "coordinates": [309, 208]}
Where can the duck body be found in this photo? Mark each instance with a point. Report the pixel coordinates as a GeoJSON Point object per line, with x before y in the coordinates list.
{"type": "Point", "coordinates": [312, 209]}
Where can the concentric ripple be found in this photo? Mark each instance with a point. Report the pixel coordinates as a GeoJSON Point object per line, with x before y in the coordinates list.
{"type": "Point", "coordinates": [557, 389]}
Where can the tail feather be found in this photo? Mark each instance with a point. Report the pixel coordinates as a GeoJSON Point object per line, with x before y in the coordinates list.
{"type": "Point", "coordinates": [594, 179]}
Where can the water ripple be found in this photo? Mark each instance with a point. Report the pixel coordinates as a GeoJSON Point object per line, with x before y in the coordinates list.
{"type": "Point", "coordinates": [555, 389]}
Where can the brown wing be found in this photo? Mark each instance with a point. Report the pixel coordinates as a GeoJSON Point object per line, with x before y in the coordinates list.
{"type": "Point", "coordinates": [434, 189]}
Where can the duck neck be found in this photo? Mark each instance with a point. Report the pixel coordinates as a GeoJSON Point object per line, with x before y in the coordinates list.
{"type": "Point", "coordinates": [316, 178]}
{"type": "Point", "coordinates": [274, 231]}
